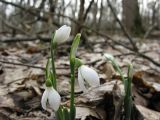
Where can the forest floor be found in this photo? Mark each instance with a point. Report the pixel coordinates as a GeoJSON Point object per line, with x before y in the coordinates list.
{"type": "Point", "coordinates": [22, 85]}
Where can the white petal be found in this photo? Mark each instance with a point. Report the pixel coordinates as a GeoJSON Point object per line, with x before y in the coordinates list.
{"type": "Point", "coordinates": [90, 76]}
{"type": "Point", "coordinates": [44, 99]}
{"type": "Point", "coordinates": [81, 81]}
{"type": "Point", "coordinates": [54, 99]}
{"type": "Point", "coordinates": [62, 34]}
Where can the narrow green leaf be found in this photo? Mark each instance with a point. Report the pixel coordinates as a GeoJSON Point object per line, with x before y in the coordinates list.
{"type": "Point", "coordinates": [66, 114]}
{"type": "Point", "coordinates": [128, 97]}
{"type": "Point", "coordinates": [59, 113]}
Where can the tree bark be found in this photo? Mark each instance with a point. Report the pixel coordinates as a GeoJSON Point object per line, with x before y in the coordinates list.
{"type": "Point", "coordinates": [80, 17]}
{"type": "Point", "coordinates": [131, 17]}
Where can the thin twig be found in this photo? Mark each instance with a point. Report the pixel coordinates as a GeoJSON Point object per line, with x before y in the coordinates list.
{"type": "Point", "coordinates": [22, 39]}
{"type": "Point", "coordinates": [122, 27]}
{"type": "Point", "coordinates": [135, 48]}
{"type": "Point", "coordinates": [34, 13]}
{"type": "Point", "coordinates": [21, 64]}
{"type": "Point", "coordinates": [13, 27]}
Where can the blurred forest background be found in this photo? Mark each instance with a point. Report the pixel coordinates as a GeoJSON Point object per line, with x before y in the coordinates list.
{"type": "Point", "coordinates": [35, 18]}
{"type": "Point", "coordinates": [128, 29]}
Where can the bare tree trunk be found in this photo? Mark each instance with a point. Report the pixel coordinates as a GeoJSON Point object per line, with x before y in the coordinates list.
{"type": "Point", "coordinates": [95, 10]}
{"type": "Point", "coordinates": [80, 17]}
{"type": "Point", "coordinates": [3, 15]}
{"type": "Point", "coordinates": [100, 17]}
{"type": "Point", "coordinates": [51, 18]}
{"type": "Point", "coordinates": [74, 10]}
{"type": "Point", "coordinates": [131, 17]}
{"type": "Point", "coordinates": [154, 13]}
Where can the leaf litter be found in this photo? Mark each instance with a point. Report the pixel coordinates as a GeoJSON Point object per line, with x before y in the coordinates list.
{"type": "Point", "coordinates": [21, 86]}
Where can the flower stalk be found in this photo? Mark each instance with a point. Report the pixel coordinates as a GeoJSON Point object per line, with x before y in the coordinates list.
{"type": "Point", "coordinates": [50, 96]}
{"type": "Point", "coordinates": [74, 48]}
{"type": "Point", "coordinates": [53, 52]}
{"type": "Point", "coordinates": [110, 58]}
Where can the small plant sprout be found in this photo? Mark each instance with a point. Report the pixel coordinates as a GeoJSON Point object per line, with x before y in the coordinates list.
{"type": "Point", "coordinates": [50, 97]}
{"type": "Point", "coordinates": [127, 81]}
{"type": "Point", "coordinates": [88, 77]}
{"type": "Point", "coordinates": [111, 59]}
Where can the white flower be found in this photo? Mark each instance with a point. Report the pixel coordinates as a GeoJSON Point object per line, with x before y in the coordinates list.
{"type": "Point", "coordinates": [51, 98]}
{"type": "Point", "coordinates": [87, 76]}
{"type": "Point", "coordinates": [62, 34]}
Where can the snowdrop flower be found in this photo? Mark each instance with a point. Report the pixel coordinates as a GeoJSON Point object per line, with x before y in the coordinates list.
{"type": "Point", "coordinates": [51, 98]}
{"type": "Point", "coordinates": [87, 77]}
{"type": "Point", "coordinates": [62, 34]}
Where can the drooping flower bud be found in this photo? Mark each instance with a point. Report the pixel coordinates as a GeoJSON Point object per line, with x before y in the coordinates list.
{"type": "Point", "coordinates": [109, 57]}
{"type": "Point", "coordinates": [50, 98]}
{"type": "Point", "coordinates": [62, 34]}
{"type": "Point", "coordinates": [87, 76]}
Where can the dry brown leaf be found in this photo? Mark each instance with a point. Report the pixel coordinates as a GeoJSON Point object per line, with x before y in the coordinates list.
{"type": "Point", "coordinates": [147, 79]}
{"type": "Point", "coordinates": [83, 113]}
{"type": "Point", "coordinates": [148, 114]}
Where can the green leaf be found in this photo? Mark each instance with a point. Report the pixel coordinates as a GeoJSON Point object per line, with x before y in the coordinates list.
{"type": "Point", "coordinates": [53, 40]}
{"type": "Point", "coordinates": [59, 113]}
{"type": "Point", "coordinates": [66, 114]}
{"type": "Point", "coordinates": [128, 97]}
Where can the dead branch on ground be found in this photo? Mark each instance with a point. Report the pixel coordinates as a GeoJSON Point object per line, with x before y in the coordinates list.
{"type": "Point", "coordinates": [21, 64]}
{"type": "Point", "coordinates": [122, 27]}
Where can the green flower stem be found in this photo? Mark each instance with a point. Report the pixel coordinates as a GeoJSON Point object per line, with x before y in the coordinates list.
{"type": "Point", "coordinates": [116, 66]}
{"type": "Point", "coordinates": [53, 52]}
{"type": "Point", "coordinates": [53, 74]}
{"type": "Point", "coordinates": [47, 70]}
{"type": "Point", "coordinates": [72, 107]}
{"type": "Point", "coordinates": [74, 48]}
